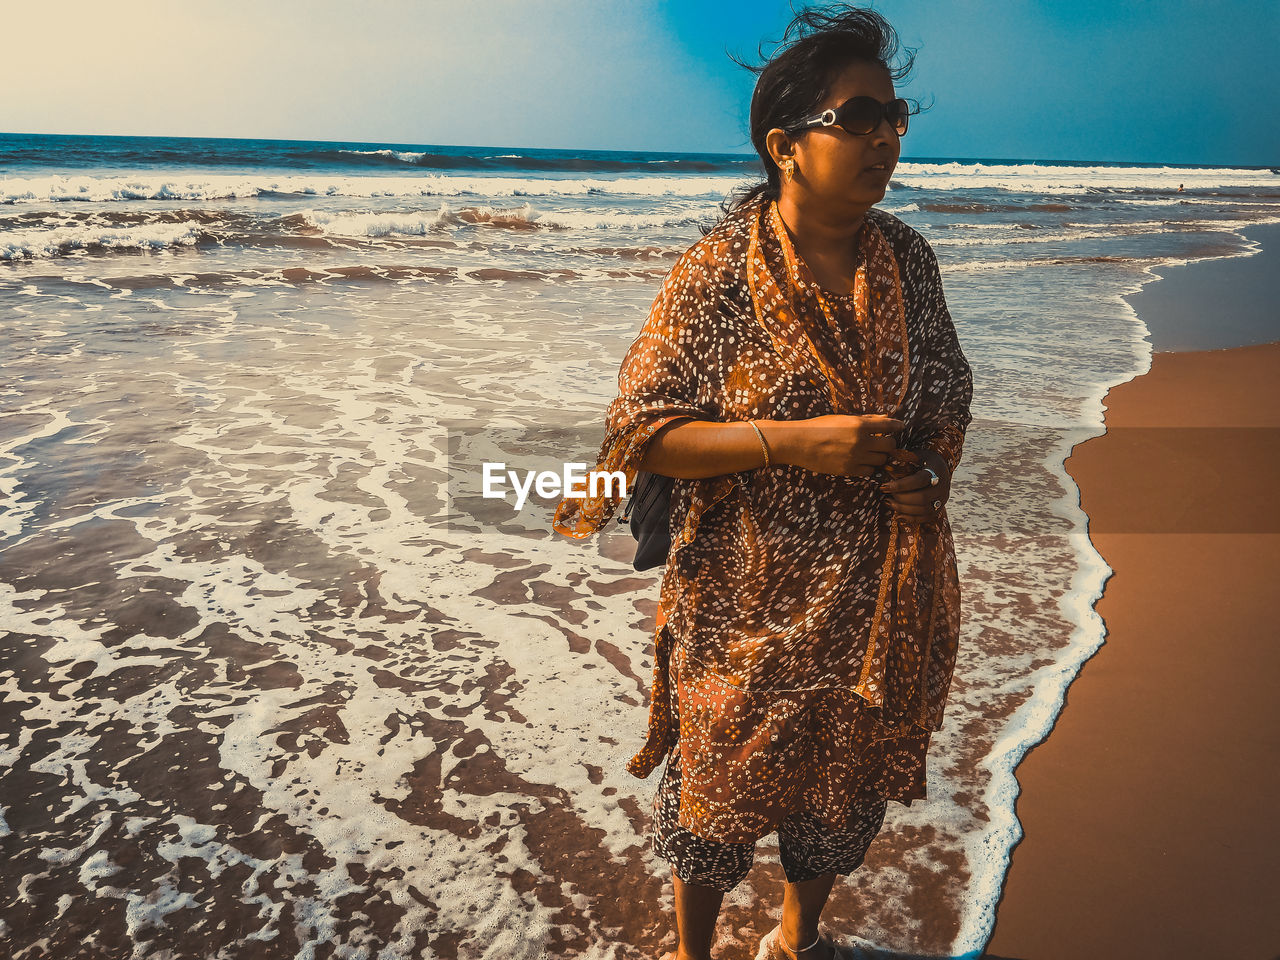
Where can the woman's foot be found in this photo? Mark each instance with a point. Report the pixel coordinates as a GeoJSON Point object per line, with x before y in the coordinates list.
{"type": "Point", "coordinates": [775, 946]}
{"type": "Point", "coordinates": [819, 949]}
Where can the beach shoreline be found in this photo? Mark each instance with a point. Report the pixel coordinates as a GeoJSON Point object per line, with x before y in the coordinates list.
{"type": "Point", "coordinates": [262, 619]}
{"type": "Point", "coordinates": [1125, 849]}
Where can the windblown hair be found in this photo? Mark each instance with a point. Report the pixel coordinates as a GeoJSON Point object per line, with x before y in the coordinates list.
{"type": "Point", "coordinates": [816, 46]}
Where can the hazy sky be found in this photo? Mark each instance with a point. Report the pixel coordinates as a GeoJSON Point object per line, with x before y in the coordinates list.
{"type": "Point", "coordinates": [1182, 81]}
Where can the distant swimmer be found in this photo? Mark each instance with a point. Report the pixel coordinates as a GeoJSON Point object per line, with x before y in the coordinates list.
{"type": "Point", "coordinates": [1179, 188]}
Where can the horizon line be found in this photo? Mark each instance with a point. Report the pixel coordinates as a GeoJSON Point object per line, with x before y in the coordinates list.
{"type": "Point", "coordinates": [1273, 167]}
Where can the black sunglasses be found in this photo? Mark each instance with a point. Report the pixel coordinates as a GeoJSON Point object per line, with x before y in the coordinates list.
{"type": "Point", "coordinates": [861, 116]}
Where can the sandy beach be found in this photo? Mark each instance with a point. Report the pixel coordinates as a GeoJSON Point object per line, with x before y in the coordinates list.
{"type": "Point", "coordinates": [1148, 813]}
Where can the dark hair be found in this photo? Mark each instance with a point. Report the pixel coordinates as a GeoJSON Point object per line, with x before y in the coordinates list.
{"type": "Point", "coordinates": [817, 44]}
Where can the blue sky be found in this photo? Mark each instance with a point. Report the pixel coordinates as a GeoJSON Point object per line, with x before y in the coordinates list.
{"type": "Point", "coordinates": [1181, 81]}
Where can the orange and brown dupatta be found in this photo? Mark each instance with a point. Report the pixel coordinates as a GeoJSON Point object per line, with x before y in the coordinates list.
{"type": "Point", "coordinates": [879, 386]}
{"type": "Point", "coordinates": [753, 245]}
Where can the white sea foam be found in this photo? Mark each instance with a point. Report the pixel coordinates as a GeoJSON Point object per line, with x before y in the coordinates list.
{"type": "Point", "coordinates": [201, 186]}
{"type": "Point", "coordinates": [37, 244]}
{"type": "Point", "coordinates": [1009, 233]}
{"type": "Point", "coordinates": [420, 223]}
{"type": "Point", "coordinates": [1051, 179]}
{"type": "Point", "coordinates": [376, 224]}
{"type": "Point", "coordinates": [619, 220]}
{"type": "Point", "coordinates": [405, 155]}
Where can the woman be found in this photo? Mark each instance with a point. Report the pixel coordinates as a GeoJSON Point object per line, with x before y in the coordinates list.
{"type": "Point", "coordinates": [799, 374]}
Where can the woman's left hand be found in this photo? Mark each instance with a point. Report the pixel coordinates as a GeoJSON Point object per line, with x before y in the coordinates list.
{"type": "Point", "coordinates": [912, 497]}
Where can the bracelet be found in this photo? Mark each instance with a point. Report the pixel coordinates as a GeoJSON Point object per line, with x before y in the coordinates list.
{"type": "Point", "coordinates": [934, 477]}
{"type": "Point", "coordinates": [764, 446]}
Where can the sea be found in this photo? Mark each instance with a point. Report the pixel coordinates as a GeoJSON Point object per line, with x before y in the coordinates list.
{"type": "Point", "coordinates": [278, 679]}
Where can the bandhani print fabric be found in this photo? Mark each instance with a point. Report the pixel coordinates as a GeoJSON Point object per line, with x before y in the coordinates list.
{"type": "Point", "coordinates": [806, 636]}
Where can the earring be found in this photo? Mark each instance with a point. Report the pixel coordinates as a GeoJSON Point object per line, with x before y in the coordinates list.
{"type": "Point", "coordinates": [788, 170]}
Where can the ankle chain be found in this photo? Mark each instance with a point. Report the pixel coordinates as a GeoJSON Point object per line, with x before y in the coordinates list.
{"type": "Point", "coordinates": [816, 941]}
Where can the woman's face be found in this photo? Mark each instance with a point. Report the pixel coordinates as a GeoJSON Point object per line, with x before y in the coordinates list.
{"type": "Point", "coordinates": [831, 165]}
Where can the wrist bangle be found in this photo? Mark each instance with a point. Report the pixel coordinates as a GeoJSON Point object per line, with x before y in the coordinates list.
{"type": "Point", "coordinates": [763, 446]}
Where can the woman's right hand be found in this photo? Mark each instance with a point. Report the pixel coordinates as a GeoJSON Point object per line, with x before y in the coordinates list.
{"type": "Point", "coordinates": [841, 444]}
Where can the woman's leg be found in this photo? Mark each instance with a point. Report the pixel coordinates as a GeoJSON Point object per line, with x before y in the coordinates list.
{"type": "Point", "coordinates": [697, 909]}
{"type": "Point", "coordinates": [802, 905]}
{"type": "Point", "coordinates": [702, 870]}
{"type": "Point", "coordinates": [812, 856]}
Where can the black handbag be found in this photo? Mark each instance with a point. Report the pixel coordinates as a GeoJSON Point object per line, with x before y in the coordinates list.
{"type": "Point", "coordinates": [649, 514]}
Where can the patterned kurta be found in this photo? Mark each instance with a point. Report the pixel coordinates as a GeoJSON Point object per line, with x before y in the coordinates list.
{"type": "Point", "coordinates": [806, 635]}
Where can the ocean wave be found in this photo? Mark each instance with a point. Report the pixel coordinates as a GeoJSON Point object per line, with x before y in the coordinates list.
{"type": "Point", "coordinates": [368, 273]}
{"type": "Point", "coordinates": [373, 224]}
{"type": "Point", "coordinates": [1054, 178]}
{"type": "Point", "coordinates": [1104, 184]}
{"type": "Point", "coordinates": [533, 161]}
{"type": "Point", "coordinates": [526, 217]}
{"type": "Point", "coordinates": [1199, 251]}
{"type": "Point", "coordinates": [43, 244]}
{"type": "Point", "coordinates": [60, 188]}
{"type": "Point", "coordinates": [1070, 232]}
{"type": "Point", "coordinates": [399, 156]}
{"type": "Point", "coordinates": [649, 252]}
{"type": "Point", "coordinates": [417, 224]}
{"type": "Point", "coordinates": [976, 207]}
{"type": "Point", "coordinates": [126, 217]}
{"type": "Point", "coordinates": [622, 220]}
{"type": "Point", "coordinates": [421, 223]}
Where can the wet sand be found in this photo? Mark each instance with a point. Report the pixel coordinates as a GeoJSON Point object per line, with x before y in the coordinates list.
{"type": "Point", "coordinates": [1213, 304]}
{"type": "Point", "coordinates": [1149, 812]}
